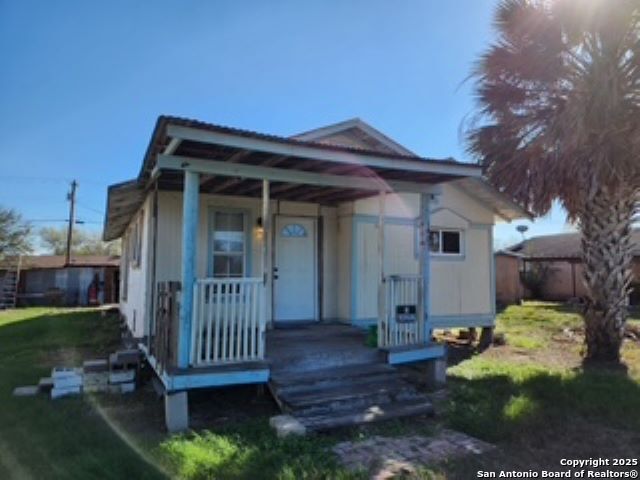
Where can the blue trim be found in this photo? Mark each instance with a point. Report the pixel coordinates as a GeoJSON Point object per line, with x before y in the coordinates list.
{"type": "Point", "coordinates": [419, 354]}
{"type": "Point", "coordinates": [248, 237]}
{"type": "Point", "coordinates": [190, 199]}
{"type": "Point", "coordinates": [204, 380]}
{"type": "Point", "coordinates": [195, 379]}
{"type": "Point", "coordinates": [463, 321]}
{"type": "Point", "coordinates": [363, 218]}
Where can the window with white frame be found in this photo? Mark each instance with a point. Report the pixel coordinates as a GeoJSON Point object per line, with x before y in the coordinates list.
{"type": "Point", "coordinates": [445, 242]}
{"type": "Point", "coordinates": [135, 241]}
{"type": "Point", "coordinates": [228, 247]}
{"type": "Point", "coordinates": [124, 292]}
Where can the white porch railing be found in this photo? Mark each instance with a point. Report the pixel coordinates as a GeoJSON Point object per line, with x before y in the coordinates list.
{"type": "Point", "coordinates": [228, 321]}
{"type": "Point", "coordinates": [397, 327]}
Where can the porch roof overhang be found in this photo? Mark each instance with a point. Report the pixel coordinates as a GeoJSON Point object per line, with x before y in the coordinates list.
{"type": "Point", "coordinates": [234, 162]}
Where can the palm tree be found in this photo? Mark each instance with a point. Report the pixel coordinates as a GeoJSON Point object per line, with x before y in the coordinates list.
{"type": "Point", "coordinates": [558, 117]}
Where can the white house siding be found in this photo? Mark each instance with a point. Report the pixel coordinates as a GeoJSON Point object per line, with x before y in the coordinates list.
{"type": "Point", "coordinates": [461, 287]}
{"type": "Point", "coordinates": [345, 229]}
{"type": "Point", "coordinates": [461, 290]}
{"type": "Point", "coordinates": [133, 305]}
{"type": "Point", "coordinates": [170, 238]}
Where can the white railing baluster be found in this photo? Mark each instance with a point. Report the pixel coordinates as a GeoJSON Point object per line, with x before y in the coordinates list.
{"type": "Point", "coordinates": [240, 329]}
{"type": "Point", "coordinates": [402, 290]}
{"type": "Point", "coordinates": [228, 321]}
{"type": "Point", "coordinates": [254, 318]}
{"type": "Point", "coordinates": [218, 326]}
{"type": "Point", "coordinates": [208, 289]}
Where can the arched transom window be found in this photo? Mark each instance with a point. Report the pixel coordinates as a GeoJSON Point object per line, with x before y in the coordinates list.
{"type": "Point", "coordinates": [293, 230]}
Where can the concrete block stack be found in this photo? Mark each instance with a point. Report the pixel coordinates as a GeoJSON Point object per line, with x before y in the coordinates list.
{"type": "Point", "coordinates": [117, 374]}
{"type": "Point", "coordinates": [66, 381]}
{"type": "Point", "coordinates": [123, 370]}
{"type": "Point", "coordinates": [96, 376]}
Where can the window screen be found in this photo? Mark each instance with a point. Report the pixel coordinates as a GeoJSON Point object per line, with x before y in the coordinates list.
{"type": "Point", "coordinates": [228, 244]}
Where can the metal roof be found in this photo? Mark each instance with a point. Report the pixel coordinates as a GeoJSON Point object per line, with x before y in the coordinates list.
{"type": "Point", "coordinates": [560, 246]}
{"type": "Point", "coordinates": [33, 262]}
{"type": "Point", "coordinates": [386, 164]}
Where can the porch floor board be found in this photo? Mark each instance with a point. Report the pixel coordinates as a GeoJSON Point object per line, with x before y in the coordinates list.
{"type": "Point", "coordinates": [318, 346]}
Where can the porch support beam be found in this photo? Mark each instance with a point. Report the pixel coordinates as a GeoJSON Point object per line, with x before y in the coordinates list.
{"type": "Point", "coordinates": [259, 172]}
{"type": "Point", "coordinates": [266, 235]}
{"type": "Point", "coordinates": [382, 307]}
{"type": "Point", "coordinates": [425, 266]}
{"type": "Point", "coordinates": [189, 245]}
{"type": "Point", "coordinates": [321, 154]}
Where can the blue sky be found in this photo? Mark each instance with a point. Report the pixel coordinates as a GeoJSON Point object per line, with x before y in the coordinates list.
{"type": "Point", "coordinates": [82, 83]}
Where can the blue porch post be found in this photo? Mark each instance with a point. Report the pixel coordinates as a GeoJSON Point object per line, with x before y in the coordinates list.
{"type": "Point", "coordinates": [425, 261]}
{"type": "Point", "coordinates": [189, 248]}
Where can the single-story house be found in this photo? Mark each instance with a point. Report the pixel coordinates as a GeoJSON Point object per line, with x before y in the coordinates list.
{"type": "Point", "coordinates": [557, 261]}
{"type": "Point", "coordinates": [230, 236]}
{"type": "Point", "coordinates": [49, 280]}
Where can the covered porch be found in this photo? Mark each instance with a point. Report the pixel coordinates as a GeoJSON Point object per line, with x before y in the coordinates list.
{"type": "Point", "coordinates": [209, 330]}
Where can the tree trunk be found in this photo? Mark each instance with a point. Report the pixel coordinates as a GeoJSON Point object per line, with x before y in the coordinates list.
{"type": "Point", "coordinates": [606, 225]}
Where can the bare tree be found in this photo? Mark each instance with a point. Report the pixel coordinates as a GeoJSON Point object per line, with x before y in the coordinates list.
{"type": "Point", "coordinates": [54, 240]}
{"type": "Point", "coordinates": [14, 233]}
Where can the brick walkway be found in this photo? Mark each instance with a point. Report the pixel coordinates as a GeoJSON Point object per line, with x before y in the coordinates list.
{"type": "Point", "coordinates": [385, 457]}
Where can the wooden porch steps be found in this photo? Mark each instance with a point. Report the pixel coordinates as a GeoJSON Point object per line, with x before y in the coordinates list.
{"type": "Point", "coordinates": [347, 395]}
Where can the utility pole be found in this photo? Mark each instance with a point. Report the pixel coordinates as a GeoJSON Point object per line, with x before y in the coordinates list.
{"type": "Point", "coordinates": [71, 196]}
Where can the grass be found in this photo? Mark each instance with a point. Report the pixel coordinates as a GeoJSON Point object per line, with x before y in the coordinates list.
{"type": "Point", "coordinates": [531, 397]}
{"type": "Point", "coordinates": [535, 401]}
{"type": "Point", "coordinates": [251, 451]}
{"type": "Point", "coordinates": [67, 438]}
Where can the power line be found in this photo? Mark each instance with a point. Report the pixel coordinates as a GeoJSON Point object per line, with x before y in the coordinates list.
{"type": "Point", "coordinates": [87, 207]}
{"type": "Point", "coordinates": [63, 220]}
{"type": "Point", "coordinates": [52, 179]}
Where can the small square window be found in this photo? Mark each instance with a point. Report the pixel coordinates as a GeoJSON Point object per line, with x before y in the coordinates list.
{"type": "Point", "coordinates": [451, 242]}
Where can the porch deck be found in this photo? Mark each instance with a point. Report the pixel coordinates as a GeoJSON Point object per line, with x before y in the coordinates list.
{"type": "Point", "coordinates": [315, 346]}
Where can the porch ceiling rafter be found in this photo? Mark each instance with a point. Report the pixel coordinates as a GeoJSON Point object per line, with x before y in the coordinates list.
{"type": "Point", "coordinates": [319, 153]}
{"type": "Point", "coordinates": [253, 186]}
{"type": "Point", "coordinates": [260, 172]}
{"type": "Point", "coordinates": [208, 181]}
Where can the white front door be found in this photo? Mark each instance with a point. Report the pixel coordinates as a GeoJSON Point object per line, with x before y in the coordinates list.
{"type": "Point", "coordinates": [294, 281]}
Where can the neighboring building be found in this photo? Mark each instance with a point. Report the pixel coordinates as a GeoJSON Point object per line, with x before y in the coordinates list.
{"type": "Point", "coordinates": [558, 259]}
{"type": "Point", "coordinates": [46, 280]}
{"type": "Point", "coordinates": [509, 288]}
{"type": "Point", "coordinates": [261, 230]}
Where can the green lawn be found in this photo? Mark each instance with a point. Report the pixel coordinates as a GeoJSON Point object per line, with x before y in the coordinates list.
{"type": "Point", "coordinates": [67, 438]}
{"type": "Point", "coordinates": [530, 397]}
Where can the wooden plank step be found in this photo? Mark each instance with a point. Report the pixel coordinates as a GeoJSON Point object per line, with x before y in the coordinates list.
{"type": "Point", "coordinates": [344, 393]}
{"type": "Point", "coordinates": [341, 408]}
{"type": "Point", "coordinates": [312, 376]}
{"type": "Point", "coordinates": [336, 382]}
{"type": "Point", "coordinates": [368, 415]}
